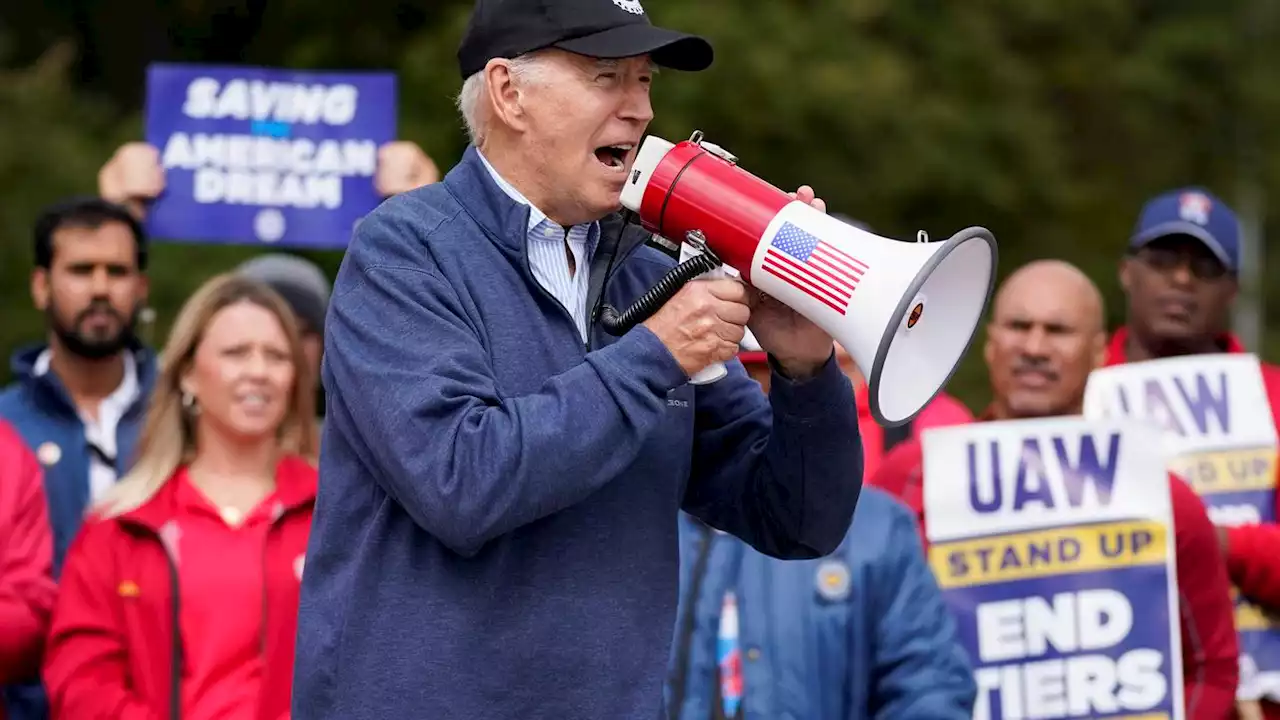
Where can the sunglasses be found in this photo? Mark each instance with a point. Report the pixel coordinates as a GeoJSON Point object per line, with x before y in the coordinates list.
{"type": "Point", "coordinates": [1167, 259]}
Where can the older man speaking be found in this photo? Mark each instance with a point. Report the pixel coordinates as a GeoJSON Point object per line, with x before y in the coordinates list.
{"type": "Point", "coordinates": [496, 530]}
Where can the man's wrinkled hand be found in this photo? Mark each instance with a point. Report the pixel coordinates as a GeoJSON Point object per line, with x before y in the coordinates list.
{"type": "Point", "coordinates": [703, 323]}
{"type": "Point", "coordinates": [799, 346]}
{"type": "Point", "coordinates": [403, 166]}
{"type": "Point", "coordinates": [133, 177]}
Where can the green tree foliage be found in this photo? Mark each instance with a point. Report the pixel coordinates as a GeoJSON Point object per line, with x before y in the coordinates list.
{"type": "Point", "coordinates": [1048, 122]}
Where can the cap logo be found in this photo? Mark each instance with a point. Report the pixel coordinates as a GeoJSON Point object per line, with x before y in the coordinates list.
{"type": "Point", "coordinates": [631, 6]}
{"type": "Point", "coordinates": [1194, 207]}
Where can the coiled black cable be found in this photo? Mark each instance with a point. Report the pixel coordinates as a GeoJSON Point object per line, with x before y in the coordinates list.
{"type": "Point", "coordinates": [617, 324]}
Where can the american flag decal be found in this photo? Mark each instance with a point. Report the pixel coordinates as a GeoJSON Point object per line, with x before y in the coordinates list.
{"type": "Point", "coordinates": [814, 267]}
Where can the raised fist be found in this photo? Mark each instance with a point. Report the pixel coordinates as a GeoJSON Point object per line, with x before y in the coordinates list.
{"type": "Point", "coordinates": [132, 177]}
{"type": "Point", "coordinates": [403, 166]}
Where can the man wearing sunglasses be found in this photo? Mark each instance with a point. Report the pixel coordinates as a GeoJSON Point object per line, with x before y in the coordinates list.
{"type": "Point", "coordinates": [1180, 278]}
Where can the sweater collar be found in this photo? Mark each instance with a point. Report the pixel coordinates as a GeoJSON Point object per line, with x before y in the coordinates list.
{"type": "Point", "coordinates": [502, 217]}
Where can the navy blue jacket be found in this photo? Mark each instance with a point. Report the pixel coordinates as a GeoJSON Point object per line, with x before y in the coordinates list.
{"type": "Point", "coordinates": [43, 413]}
{"type": "Point", "coordinates": [495, 534]}
{"type": "Point", "coordinates": [863, 634]}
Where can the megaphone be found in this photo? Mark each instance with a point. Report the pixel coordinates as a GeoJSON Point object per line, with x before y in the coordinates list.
{"type": "Point", "coordinates": [905, 311]}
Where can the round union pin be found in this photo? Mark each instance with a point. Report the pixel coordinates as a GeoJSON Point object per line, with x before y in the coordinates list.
{"type": "Point", "coordinates": [49, 453]}
{"type": "Point", "coordinates": [833, 580]}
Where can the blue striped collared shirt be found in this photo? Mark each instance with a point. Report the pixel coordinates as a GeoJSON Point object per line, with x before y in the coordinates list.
{"type": "Point", "coordinates": [547, 257]}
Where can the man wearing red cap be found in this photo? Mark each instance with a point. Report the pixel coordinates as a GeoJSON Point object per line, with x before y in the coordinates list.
{"type": "Point", "coordinates": [1045, 336]}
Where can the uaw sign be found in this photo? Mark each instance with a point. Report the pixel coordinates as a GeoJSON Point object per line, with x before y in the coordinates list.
{"type": "Point", "coordinates": [1220, 437]}
{"type": "Point", "coordinates": [255, 155]}
{"type": "Point", "coordinates": [1052, 542]}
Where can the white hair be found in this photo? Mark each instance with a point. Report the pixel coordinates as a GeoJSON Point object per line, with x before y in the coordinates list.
{"type": "Point", "coordinates": [524, 69]}
{"type": "Point", "coordinates": [470, 98]}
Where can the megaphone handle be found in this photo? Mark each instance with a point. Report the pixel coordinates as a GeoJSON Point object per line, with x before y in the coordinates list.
{"type": "Point", "coordinates": [709, 374]}
{"type": "Point", "coordinates": [715, 371]}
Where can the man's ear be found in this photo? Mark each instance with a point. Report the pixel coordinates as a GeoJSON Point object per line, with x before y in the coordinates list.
{"type": "Point", "coordinates": [1233, 288]}
{"type": "Point", "coordinates": [505, 98]}
{"type": "Point", "coordinates": [1126, 274]}
{"type": "Point", "coordinates": [1099, 350]}
{"type": "Point", "coordinates": [988, 349]}
{"type": "Point", "coordinates": [40, 290]}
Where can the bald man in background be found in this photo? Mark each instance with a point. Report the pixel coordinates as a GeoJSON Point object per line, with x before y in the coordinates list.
{"type": "Point", "coordinates": [1045, 336]}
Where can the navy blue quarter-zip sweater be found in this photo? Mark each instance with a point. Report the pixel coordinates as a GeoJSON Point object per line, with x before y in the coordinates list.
{"type": "Point", "coordinates": [495, 534]}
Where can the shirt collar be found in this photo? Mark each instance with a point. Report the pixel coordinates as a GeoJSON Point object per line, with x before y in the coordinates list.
{"type": "Point", "coordinates": [124, 392]}
{"type": "Point", "coordinates": [536, 216]}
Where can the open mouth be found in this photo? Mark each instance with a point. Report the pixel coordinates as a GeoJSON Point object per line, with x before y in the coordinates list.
{"type": "Point", "coordinates": [614, 156]}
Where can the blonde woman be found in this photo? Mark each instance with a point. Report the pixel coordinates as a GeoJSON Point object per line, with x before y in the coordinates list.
{"type": "Point", "coordinates": [179, 595]}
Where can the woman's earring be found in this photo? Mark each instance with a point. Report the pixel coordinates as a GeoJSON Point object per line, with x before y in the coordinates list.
{"type": "Point", "coordinates": [189, 402]}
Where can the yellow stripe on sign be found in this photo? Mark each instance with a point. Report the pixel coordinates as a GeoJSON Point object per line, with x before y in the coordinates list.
{"type": "Point", "coordinates": [1044, 553]}
{"type": "Point", "coordinates": [1226, 471]}
{"type": "Point", "coordinates": [1252, 617]}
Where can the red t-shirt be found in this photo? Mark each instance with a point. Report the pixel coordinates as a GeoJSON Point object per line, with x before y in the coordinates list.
{"type": "Point", "coordinates": [220, 573]}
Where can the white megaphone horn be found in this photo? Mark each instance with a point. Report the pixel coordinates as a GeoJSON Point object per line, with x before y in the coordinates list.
{"type": "Point", "coordinates": [905, 311]}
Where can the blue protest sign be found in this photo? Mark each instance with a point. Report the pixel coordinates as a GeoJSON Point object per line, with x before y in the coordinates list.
{"type": "Point", "coordinates": [1052, 541]}
{"type": "Point", "coordinates": [261, 155]}
{"type": "Point", "coordinates": [1220, 437]}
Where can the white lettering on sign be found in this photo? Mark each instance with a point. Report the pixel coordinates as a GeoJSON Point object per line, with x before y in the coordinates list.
{"type": "Point", "coordinates": [274, 172]}
{"type": "Point", "coordinates": [250, 152]}
{"type": "Point", "coordinates": [267, 189]}
{"type": "Point", "coordinates": [1234, 515]}
{"type": "Point", "coordinates": [1027, 627]}
{"type": "Point", "coordinates": [1076, 685]}
{"type": "Point", "coordinates": [271, 101]}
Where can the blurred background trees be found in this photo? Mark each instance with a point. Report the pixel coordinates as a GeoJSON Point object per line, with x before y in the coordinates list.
{"type": "Point", "coordinates": [1048, 122]}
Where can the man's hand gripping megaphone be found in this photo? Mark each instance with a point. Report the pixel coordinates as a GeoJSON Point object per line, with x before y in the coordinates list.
{"type": "Point", "coordinates": [708, 315]}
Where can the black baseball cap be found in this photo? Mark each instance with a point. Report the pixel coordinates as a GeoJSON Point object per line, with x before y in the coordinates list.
{"type": "Point", "coordinates": [595, 28]}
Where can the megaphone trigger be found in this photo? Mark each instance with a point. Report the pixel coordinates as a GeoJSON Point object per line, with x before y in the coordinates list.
{"type": "Point", "coordinates": [695, 245]}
